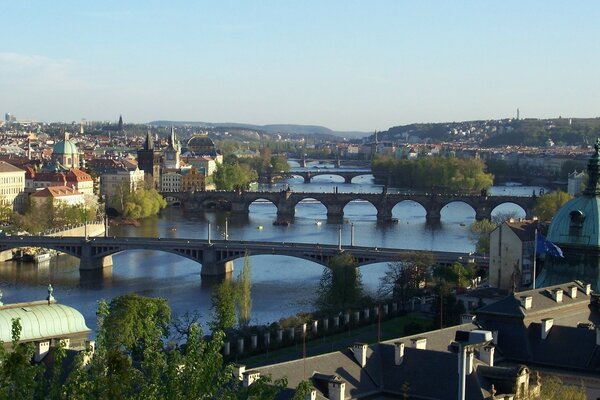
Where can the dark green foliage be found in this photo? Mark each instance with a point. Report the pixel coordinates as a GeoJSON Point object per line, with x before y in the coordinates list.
{"type": "Point", "coordinates": [405, 278]}
{"type": "Point", "coordinates": [340, 287]}
{"type": "Point", "coordinates": [223, 305]}
{"type": "Point", "coordinates": [433, 173]}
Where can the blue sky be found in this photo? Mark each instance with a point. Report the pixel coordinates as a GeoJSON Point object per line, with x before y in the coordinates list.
{"type": "Point", "coordinates": [347, 65]}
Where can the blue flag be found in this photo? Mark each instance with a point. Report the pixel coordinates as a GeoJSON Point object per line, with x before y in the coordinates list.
{"type": "Point", "coordinates": [544, 246]}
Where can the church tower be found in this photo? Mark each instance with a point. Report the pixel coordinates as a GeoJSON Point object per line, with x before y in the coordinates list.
{"type": "Point", "coordinates": [149, 160]}
{"type": "Point", "coordinates": [172, 152]}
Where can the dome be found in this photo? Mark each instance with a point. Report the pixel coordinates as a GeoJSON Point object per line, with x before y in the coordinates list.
{"type": "Point", "coordinates": [41, 320]}
{"type": "Point", "coordinates": [200, 143]}
{"type": "Point", "coordinates": [577, 222]}
{"type": "Point", "coordinates": [65, 147]}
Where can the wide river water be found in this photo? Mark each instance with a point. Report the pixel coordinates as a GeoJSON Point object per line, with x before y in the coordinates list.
{"type": "Point", "coordinates": [281, 285]}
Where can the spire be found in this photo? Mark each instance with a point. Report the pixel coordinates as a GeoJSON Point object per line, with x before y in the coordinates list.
{"type": "Point", "coordinates": [149, 144]}
{"type": "Point", "coordinates": [593, 187]}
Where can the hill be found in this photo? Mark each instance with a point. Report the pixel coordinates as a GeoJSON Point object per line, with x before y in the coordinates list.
{"type": "Point", "coordinates": [271, 128]}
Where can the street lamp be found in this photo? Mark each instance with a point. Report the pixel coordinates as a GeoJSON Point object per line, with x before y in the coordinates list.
{"type": "Point", "coordinates": [468, 341]}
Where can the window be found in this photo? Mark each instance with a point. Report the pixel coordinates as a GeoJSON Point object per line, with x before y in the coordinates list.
{"type": "Point", "coordinates": [576, 223]}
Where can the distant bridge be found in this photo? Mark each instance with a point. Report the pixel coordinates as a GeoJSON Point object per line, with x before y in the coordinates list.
{"type": "Point", "coordinates": [216, 256]}
{"type": "Point", "coordinates": [347, 175]}
{"type": "Point", "coordinates": [286, 202]}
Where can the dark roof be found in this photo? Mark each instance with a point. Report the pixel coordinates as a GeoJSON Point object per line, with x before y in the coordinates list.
{"type": "Point", "coordinates": [525, 230]}
{"type": "Point", "coordinates": [565, 346]}
{"type": "Point", "coordinates": [542, 303]}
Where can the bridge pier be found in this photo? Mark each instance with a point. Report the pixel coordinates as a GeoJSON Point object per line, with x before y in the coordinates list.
{"type": "Point", "coordinates": [433, 217]}
{"type": "Point", "coordinates": [307, 178]}
{"type": "Point", "coordinates": [95, 263]}
{"type": "Point", "coordinates": [348, 179]}
{"type": "Point", "coordinates": [480, 215]}
{"type": "Point", "coordinates": [212, 267]}
{"type": "Point", "coordinates": [384, 216]}
{"type": "Point", "coordinates": [335, 213]}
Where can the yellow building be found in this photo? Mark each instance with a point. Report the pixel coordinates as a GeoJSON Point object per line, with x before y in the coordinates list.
{"type": "Point", "coordinates": [12, 186]}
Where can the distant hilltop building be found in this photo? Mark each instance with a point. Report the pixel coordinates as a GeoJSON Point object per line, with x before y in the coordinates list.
{"type": "Point", "coordinates": [201, 145]}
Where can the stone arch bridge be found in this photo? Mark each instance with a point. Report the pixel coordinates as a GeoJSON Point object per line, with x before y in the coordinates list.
{"type": "Point", "coordinates": [286, 201]}
{"type": "Point", "coordinates": [216, 256]}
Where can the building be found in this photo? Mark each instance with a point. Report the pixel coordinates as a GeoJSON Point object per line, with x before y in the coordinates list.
{"type": "Point", "coordinates": [44, 323]}
{"type": "Point", "coordinates": [12, 186]}
{"type": "Point", "coordinates": [575, 229]}
{"type": "Point", "coordinates": [57, 195]}
{"type": "Point", "coordinates": [576, 183]}
{"type": "Point", "coordinates": [65, 153]}
{"type": "Point", "coordinates": [170, 181]}
{"type": "Point", "coordinates": [171, 153]}
{"type": "Point", "coordinates": [149, 160]}
{"type": "Point", "coordinates": [423, 366]}
{"type": "Point", "coordinates": [112, 180]}
{"type": "Point", "coordinates": [554, 329]}
{"type": "Point", "coordinates": [201, 145]}
{"type": "Point", "coordinates": [192, 180]}
{"type": "Point", "coordinates": [73, 178]}
{"type": "Point", "coordinates": [511, 254]}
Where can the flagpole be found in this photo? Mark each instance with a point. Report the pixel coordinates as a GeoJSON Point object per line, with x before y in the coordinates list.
{"type": "Point", "coordinates": [534, 257]}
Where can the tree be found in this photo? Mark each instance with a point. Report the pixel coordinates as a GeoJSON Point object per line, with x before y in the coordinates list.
{"type": "Point", "coordinates": [19, 378]}
{"type": "Point", "coordinates": [405, 278]}
{"type": "Point", "coordinates": [457, 275]}
{"type": "Point", "coordinates": [340, 286]}
{"type": "Point", "coordinates": [553, 388]}
{"type": "Point", "coordinates": [548, 204]}
{"type": "Point", "coordinates": [481, 230]}
{"type": "Point", "coordinates": [233, 176]}
{"type": "Point", "coordinates": [223, 306]}
{"type": "Point", "coordinates": [135, 324]}
{"type": "Point", "coordinates": [244, 297]}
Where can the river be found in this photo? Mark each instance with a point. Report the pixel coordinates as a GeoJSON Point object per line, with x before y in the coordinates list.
{"type": "Point", "coordinates": [281, 285]}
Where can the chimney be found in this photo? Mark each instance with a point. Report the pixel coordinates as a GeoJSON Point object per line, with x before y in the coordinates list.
{"type": "Point", "coordinates": [41, 349]}
{"type": "Point", "coordinates": [572, 291]}
{"type": "Point", "coordinates": [469, 365]}
{"type": "Point", "coordinates": [419, 343]}
{"type": "Point", "coordinates": [398, 353]}
{"type": "Point", "coordinates": [250, 377]}
{"type": "Point", "coordinates": [360, 353]}
{"type": "Point", "coordinates": [486, 355]}
{"type": "Point", "coordinates": [238, 371]}
{"type": "Point", "coordinates": [466, 318]}
{"type": "Point", "coordinates": [526, 302]}
{"type": "Point", "coordinates": [557, 295]}
{"type": "Point", "coordinates": [336, 388]}
{"type": "Point", "coordinates": [546, 325]}
{"type": "Point", "coordinates": [588, 289]}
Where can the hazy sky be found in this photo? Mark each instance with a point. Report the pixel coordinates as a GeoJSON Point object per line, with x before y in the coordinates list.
{"type": "Point", "coordinates": [348, 65]}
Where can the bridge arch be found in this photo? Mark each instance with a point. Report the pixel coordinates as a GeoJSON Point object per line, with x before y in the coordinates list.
{"type": "Point", "coordinates": [361, 176]}
{"type": "Point", "coordinates": [312, 175]}
{"type": "Point", "coordinates": [359, 209]}
{"type": "Point", "coordinates": [263, 203]}
{"type": "Point", "coordinates": [464, 209]}
{"type": "Point", "coordinates": [309, 207]}
{"type": "Point", "coordinates": [506, 209]}
{"type": "Point", "coordinates": [408, 209]}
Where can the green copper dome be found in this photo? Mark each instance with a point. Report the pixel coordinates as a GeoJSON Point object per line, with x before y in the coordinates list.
{"type": "Point", "coordinates": [65, 147]}
{"type": "Point", "coordinates": [577, 223]}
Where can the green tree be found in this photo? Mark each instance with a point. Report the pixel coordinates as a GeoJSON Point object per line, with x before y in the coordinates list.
{"type": "Point", "coordinates": [457, 275]}
{"type": "Point", "coordinates": [553, 388]}
{"type": "Point", "coordinates": [233, 176]}
{"type": "Point", "coordinates": [142, 203]}
{"type": "Point", "coordinates": [340, 286]}
{"type": "Point", "coordinates": [548, 204]}
{"type": "Point", "coordinates": [481, 230]}
{"type": "Point", "coordinates": [135, 323]}
{"type": "Point", "coordinates": [19, 378]}
{"type": "Point", "coordinates": [244, 297]}
{"type": "Point", "coordinates": [405, 278]}
{"type": "Point", "coordinates": [223, 306]}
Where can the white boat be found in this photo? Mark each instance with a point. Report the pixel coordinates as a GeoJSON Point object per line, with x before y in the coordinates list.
{"type": "Point", "coordinates": [318, 223]}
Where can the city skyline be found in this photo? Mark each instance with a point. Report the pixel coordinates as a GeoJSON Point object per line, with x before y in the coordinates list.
{"type": "Point", "coordinates": [346, 65]}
